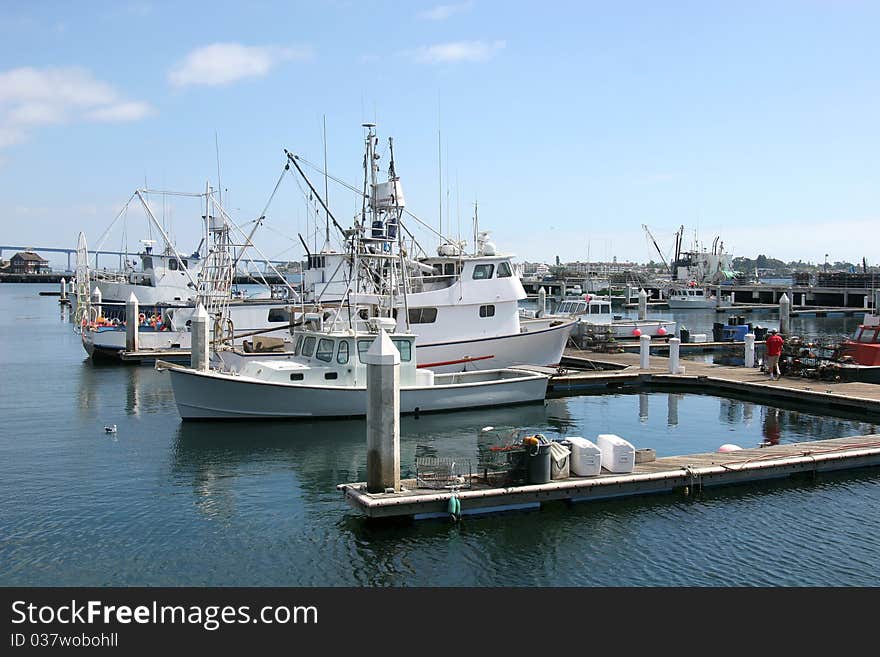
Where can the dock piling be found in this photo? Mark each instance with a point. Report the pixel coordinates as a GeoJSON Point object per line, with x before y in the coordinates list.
{"type": "Point", "coordinates": [784, 314]}
{"type": "Point", "coordinates": [383, 415]}
{"type": "Point", "coordinates": [643, 304]}
{"type": "Point", "coordinates": [645, 351]}
{"type": "Point", "coordinates": [96, 302]}
{"type": "Point", "coordinates": [199, 348]}
{"type": "Point", "coordinates": [64, 290]}
{"type": "Point", "coordinates": [542, 302]}
{"type": "Point", "coordinates": [749, 360]}
{"type": "Point", "coordinates": [132, 313]}
{"type": "Point", "coordinates": [674, 344]}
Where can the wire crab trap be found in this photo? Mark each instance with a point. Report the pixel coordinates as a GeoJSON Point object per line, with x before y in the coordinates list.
{"type": "Point", "coordinates": [503, 463]}
{"type": "Point", "coordinates": [443, 473]}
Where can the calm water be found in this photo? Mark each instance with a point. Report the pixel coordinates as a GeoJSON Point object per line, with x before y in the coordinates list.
{"type": "Point", "coordinates": [167, 503]}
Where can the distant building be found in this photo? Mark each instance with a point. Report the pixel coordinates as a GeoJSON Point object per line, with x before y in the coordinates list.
{"type": "Point", "coordinates": [28, 262]}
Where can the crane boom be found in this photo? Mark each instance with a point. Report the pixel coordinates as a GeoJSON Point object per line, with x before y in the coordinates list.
{"type": "Point", "coordinates": [668, 268]}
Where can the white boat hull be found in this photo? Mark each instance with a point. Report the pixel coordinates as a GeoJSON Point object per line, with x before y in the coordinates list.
{"type": "Point", "coordinates": [213, 395]}
{"type": "Point", "coordinates": [542, 342]}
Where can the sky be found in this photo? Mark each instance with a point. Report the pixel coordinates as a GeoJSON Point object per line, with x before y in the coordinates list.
{"type": "Point", "coordinates": [572, 125]}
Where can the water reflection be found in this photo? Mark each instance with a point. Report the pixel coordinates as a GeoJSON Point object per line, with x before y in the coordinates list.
{"type": "Point", "coordinates": [643, 407]}
{"type": "Point", "coordinates": [140, 390]}
{"type": "Point", "coordinates": [209, 457]}
{"type": "Point", "coordinates": [672, 409]}
{"type": "Point", "coordinates": [771, 426]}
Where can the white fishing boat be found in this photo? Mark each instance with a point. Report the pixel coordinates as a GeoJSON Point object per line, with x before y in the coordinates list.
{"type": "Point", "coordinates": [462, 307]}
{"type": "Point", "coordinates": [165, 303]}
{"type": "Point", "coordinates": [690, 297]}
{"type": "Point", "coordinates": [595, 315]}
{"type": "Point", "coordinates": [326, 376]}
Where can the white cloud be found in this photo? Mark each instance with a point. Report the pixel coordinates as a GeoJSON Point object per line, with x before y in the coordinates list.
{"type": "Point", "coordinates": [458, 51]}
{"type": "Point", "coordinates": [223, 63]}
{"type": "Point", "coordinates": [131, 111]}
{"type": "Point", "coordinates": [442, 12]}
{"type": "Point", "coordinates": [31, 97]}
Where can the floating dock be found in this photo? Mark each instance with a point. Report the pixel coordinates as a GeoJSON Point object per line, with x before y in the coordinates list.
{"type": "Point", "coordinates": [670, 474]}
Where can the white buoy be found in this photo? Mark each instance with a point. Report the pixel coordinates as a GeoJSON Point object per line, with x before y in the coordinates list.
{"type": "Point", "coordinates": [485, 429]}
{"type": "Point", "coordinates": [383, 415]}
{"type": "Point", "coordinates": [132, 319]}
{"type": "Point", "coordinates": [643, 304]}
{"type": "Point", "coordinates": [729, 447]}
{"type": "Point", "coordinates": [199, 336]}
{"type": "Point", "coordinates": [645, 352]}
{"type": "Point", "coordinates": [674, 345]}
{"type": "Point", "coordinates": [750, 350]}
{"type": "Point", "coordinates": [784, 314]}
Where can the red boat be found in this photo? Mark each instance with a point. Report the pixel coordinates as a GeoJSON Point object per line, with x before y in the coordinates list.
{"type": "Point", "coordinates": [864, 348]}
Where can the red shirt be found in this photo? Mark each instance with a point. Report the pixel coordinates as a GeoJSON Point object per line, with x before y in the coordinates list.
{"type": "Point", "coordinates": [774, 345]}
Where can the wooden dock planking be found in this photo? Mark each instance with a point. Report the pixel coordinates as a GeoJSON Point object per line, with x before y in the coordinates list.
{"type": "Point", "coordinates": [664, 475]}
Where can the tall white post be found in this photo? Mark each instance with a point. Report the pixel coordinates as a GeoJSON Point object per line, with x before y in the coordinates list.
{"type": "Point", "coordinates": [645, 352]}
{"type": "Point", "coordinates": [732, 297]}
{"type": "Point", "coordinates": [96, 302]}
{"type": "Point", "coordinates": [674, 344]}
{"type": "Point", "coordinates": [542, 302]}
{"type": "Point", "coordinates": [383, 415]}
{"type": "Point", "coordinates": [784, 314]}
{"type": "Point", "coordinates": [132, 311]}
{"type": "Point", "coordinates": [804, 299]}
{"type": "Point", "coordinates": [199, 334]}
{"type": "Point", "coordinates": [643, 304]}
{"type": "Point", "coordinates": [64, 291]}
{"type": "Point", "coordinates": [750, 350]}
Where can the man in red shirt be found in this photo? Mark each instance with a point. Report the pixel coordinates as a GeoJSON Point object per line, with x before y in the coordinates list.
{"type": "Point", "coordinates": [774, 350]}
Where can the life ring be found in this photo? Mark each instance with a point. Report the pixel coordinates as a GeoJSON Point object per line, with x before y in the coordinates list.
{"type": "Point", "coordinates": [142, 319]}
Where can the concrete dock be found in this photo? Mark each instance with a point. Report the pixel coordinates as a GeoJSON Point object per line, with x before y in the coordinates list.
{"type": "Point", "coordinates": [683, 474]}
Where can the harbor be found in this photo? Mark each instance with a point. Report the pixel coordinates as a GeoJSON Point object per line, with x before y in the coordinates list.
{"type": "Point", "coordinates": [458, 296]}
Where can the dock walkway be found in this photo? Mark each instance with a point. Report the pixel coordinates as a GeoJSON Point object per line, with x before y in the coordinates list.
{"type": "Point", "coordinates": [664, 475]}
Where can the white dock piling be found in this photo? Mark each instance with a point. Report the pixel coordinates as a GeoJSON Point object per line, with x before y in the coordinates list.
{"type": "Point", "coordinates": [750, 350]}
{"type": "Point", "coordinates": [645, 352]}
{"type": "Point", "coordinates": [732, 297]}
{"type": "Point", "coordinates": [542, 302]}
{"type": "Point", "coordinates": [64, 291]}
{"type": "Point", "coordinates": [199, 349]}
{"type": "Point", "coordinates": [643, 304]}
{"type": "Point", "coordinates": [784, 314]}
{"type": "Point", "coordinates": [96, 302]}
{"type": "Point", "coordinates": [674, 344]}
{"type": "Point", "coordinates": [383, 415]}
{"type": "Point", "coordinates": [132, 311]}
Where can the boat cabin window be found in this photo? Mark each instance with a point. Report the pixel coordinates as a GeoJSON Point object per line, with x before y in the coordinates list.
{"type": "Point", "coordinates": [296, 376]}
{"type": "Point", "coordinates": [147, 262]}
{"type": "Point", "coordinates": [487, 311]}
{"type": "Point", "coordinates": [297, 350]}
{"type": "Point", "coordinates": [325, 350]}
{"type": "Point", "coordinates": [422, 315]}
{"type": "Point", "coordinates": [342, 354]}
{"type": "Point", "coordinates": [404, 347]}
{"type": "Point", "coordinates": [868, 335]}
{"type": "Point", "coordinates": [363, 347]}
{"type": "Point", "coordinates": [504, 270]}
{"type": "Point", "coordinates": [279, 315]}
{"type": "Point", "coordinates": [599, 309]}
{"type": "Point", "coordinates": [482, 272]}
{"type": "Point", "coordinates": [449, 269]}
{"type": "Point", "coordinates": [172, 264]}
{"type": "Point", "coordinates": [308, 346]}
{"type": "Point", "coordinates": [185, 264]}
